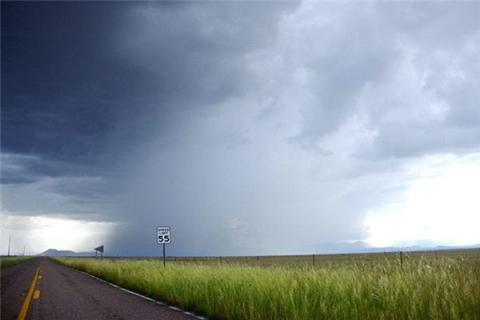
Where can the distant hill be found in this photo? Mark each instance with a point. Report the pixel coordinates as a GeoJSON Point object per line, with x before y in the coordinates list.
{"type": "Point", "coordinates": [325, 248]}
{"type": "Point", "coordinates": [363, 247]}
{"type": "Point", "coordinates": [65, 253]}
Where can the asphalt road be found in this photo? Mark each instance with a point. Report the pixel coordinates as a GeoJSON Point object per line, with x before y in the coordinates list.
{"type": "Point", "coordinates": [64, 293]}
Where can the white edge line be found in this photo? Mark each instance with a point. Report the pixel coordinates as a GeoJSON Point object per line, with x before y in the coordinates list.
{"type": "Point", "coordinates": [188, 313]}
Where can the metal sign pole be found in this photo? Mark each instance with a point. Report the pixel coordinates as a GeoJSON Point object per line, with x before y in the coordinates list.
{"type": "Point", "coordinates": [164, 255]}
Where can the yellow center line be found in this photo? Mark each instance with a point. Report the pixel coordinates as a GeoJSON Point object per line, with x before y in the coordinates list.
{"type": "Point", "coordinates": [26, 302]}
{"type": "Point", "coordinates": [36, 294]}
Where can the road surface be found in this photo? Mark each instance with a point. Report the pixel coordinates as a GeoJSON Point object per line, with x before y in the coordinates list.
{"type": "Point", "coordinates": [64, 293]}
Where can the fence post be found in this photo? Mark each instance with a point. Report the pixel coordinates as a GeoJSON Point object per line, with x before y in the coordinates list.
{"type": "Point", "coordinates": [313, 258]}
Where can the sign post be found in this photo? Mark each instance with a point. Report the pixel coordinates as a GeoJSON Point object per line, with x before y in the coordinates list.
{"type": "Point", "coordinates": [164, 255]}
{"type": "Point", "coordinates": [99, 249]}
{"type": "Point", "coordinates": [163, 237]}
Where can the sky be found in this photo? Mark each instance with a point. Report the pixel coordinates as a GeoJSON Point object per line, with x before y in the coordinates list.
{"type": "Point", "coordinates": [248, 127]}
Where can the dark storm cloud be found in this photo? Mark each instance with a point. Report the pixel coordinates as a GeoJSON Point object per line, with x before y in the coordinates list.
{"type": "Point", "coordinates": [196, 57]}
{"type": "Point", "coordinates": [27, 169]}
{"type": "Point", "coordinates": [239, 124]}
{"type": "Point", "coordinates": [63, 93]}
{"type": "Point", "coordinates": [63, 87]}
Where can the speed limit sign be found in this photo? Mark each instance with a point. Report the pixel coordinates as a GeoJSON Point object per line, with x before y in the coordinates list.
{"type": "Point", "coordinates": [163, 235]}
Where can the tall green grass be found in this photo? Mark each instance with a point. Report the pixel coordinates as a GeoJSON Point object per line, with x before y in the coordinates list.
{"type": "Point", "coordinates": [424, 288]}
{"type": "Point", "coordinates": [6, 262]}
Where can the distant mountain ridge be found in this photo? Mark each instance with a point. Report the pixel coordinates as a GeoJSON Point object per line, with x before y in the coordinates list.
{"type": "Point", "coordinates": [325, 248]}
{"type": "Point", "coordinates": [65, 253]}
{"type": "Point", "coordinates": [363, 247]}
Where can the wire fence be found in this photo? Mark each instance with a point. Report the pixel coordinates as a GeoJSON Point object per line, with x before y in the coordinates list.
{"type": "Point", "coordinates": [399, 257]}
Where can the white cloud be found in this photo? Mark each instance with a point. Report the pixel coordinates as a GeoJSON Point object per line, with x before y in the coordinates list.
{"type": "Point", "coordinates": [440, 204]}
{"type": "Point", "coordinates": [35, 234]}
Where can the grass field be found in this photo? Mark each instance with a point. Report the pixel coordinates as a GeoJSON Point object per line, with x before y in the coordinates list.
{"type": "Point", "coordinates": [6, 262]}
{"type": "Point", "coordinates": [425, 286]}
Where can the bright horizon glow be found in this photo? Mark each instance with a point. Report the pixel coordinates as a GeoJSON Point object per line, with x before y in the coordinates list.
{"type": "Point", "coordinates": [36, 234]}
{"type": "Point", "coordinates": [441, 206]}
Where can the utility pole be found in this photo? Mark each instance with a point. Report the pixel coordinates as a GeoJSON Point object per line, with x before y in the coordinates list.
{"type": "Point", "coordinates": [9, 238]}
